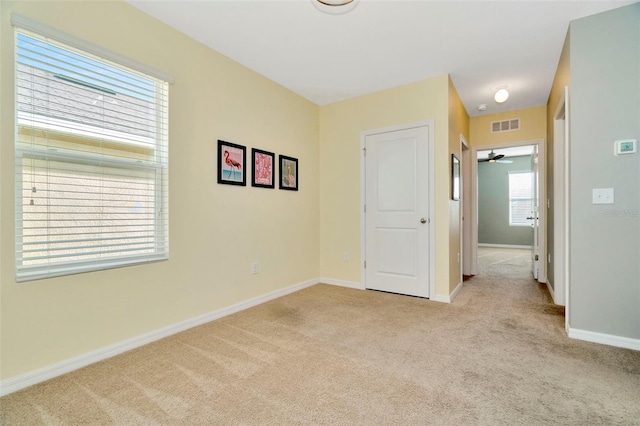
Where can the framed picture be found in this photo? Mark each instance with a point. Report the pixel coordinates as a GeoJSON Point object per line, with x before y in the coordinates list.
{"type": "Point", "coordinates": [288, 173]}
{"type": "Point", "coordinates": [262, 165]}
{"type": "Point", "coordinates": [231, 163]}
{"type": "Point", "coordinates": [455, 178]}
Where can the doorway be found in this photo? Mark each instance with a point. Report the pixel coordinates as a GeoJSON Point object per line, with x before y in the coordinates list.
{"type": "Point", "coordinates": [397, 197]}
{"type": "Point", "coordinates": [535, 222]}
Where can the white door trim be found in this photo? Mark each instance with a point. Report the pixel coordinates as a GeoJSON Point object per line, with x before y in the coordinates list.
{"type": "Point", "coordinates": [431, 164]}
{"type": "Point", "coordinates": [561, 133]}
{"type": "Point", "coordinates": [561, 187]}
{"type": "Point", "coordinates": [542, 273]}
{"type": "Point", "coordinates": [464, 200]}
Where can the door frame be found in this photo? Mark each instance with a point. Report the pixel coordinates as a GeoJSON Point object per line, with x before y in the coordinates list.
{"type": "Point", "coordinates": [430, 201]}
{"type": "Point", "coordinates": [561, 202]}
{"type": "Point", "coordinates": [464, 229]}
{"type": "Point", "coordinates": [542, 214]}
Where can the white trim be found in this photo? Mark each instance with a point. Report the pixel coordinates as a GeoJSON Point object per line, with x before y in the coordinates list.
{"type": "Point", "coordinates": [429, 124]}
{"type": "Point", "coordinates": [340, 283]}
{"type": "Point", "coordinates": [560, 193]}
{"type": "Point", "coordinates": [40, 375]}
{"type": "Point", "coordinates": [464, 157]}
{"type": "Point", "coordinates": [503, 246]}
{"type": "Point", "coordinates": [605, 339]}
{"type": "Point", "coordinates": [363, 216]}
{"type": "Point", "coordinates": [466, 210]}
{"type": "Point", "coordinates": [449, 298]}
{"type": "Point", "coordinates": [23, 22]}
{"type": "Point", "coordinates": [567, 210]}
{"type": "Point", "coordinates": [455, 291]}
{"type": "Point", "coordinates": [550, 287]}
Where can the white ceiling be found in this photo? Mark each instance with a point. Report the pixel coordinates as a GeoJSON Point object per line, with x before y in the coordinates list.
{"type": "Point", "coordinates": [383, 44]}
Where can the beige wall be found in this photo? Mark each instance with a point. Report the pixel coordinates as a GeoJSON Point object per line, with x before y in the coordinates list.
{"type": "Point", "coordinates": [216, 230]}
{"type": "Point", "coordinates": [458, 125]}
{"type": "Point", "coordinates": [533, 125]}
{"type": "Point", "coordinates": [341, 125]}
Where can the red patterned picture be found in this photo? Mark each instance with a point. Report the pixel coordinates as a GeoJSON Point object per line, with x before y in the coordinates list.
{"type": "Point", "coordinates": [262, 168]}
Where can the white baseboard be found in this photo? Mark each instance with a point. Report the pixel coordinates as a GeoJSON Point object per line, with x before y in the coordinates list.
{"type": "Point", "coordinates": [40, 375]}
{"type": "Point", "coordinates": [503, 246]}
{"type": "Point", "coordinates": [455, 291]}
{"type": "Point", "coordinates": [605, 339]}
{"type": "Point", "coordinates": [341, 283]}
{"type": "Point", "coordinates": [550, 288]}
{"type": "Point", "coordinates": [449, 298]}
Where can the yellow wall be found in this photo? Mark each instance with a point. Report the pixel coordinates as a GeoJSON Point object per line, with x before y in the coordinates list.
{"type": "Point", "coordinates": [533, 125]}
{"type": "Point", "coordinates": [216, 231]}
{"type": "Point", "coordinates": [341, 125]}
{"type": "Point", "coordinates": [458, 125]}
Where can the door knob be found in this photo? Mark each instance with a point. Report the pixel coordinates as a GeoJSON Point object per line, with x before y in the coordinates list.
{"type": "Point", "coordinates": [423, 220]}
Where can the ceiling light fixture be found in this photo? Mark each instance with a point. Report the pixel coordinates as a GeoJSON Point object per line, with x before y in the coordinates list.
{"type": "Point", "coordinates": [501, 95]}
{"type": "Point", "coordinates": [335, 7]}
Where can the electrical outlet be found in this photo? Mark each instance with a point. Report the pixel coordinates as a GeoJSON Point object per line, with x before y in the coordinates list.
{"type": "Point", "coordinates": [345, 256]}
{"type": "Point", "coordinates": [254, 268]}
{"type": "Point", "coordinates": [602, 195]}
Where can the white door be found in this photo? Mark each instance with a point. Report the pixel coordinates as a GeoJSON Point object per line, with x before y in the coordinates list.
{"type": "Point", "coordinates": [396, 208]}
{"type": "Point", "coordinates": [535, 247]}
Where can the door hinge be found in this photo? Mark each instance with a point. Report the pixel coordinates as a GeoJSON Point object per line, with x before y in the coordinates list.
{"type": "Point", "coordinates": [536, 257]}
{"type": "Point", "coordinates": [365, 151]}
{"type": "Point", "coordinates": [365, 208]}
{"type": "Point", "coordinates": [365, 264]}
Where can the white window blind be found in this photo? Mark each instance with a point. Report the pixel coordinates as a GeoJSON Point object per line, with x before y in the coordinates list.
{"type": "Point", "coordinates": [91, 161]}
{"type": "Point", "coordinates": [520, 198]}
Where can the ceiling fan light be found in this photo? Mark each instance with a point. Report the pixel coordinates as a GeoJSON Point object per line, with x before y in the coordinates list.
{"type": "Point", "coordinates": [335, 7]}
{"type": "Point", "coordinates": [501, 95]}
{"type": "Point", "coordinates": [335, 2]}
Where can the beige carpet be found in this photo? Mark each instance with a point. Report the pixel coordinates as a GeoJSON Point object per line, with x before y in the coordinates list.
{"type": "Point", "coordinates": [327, 355]}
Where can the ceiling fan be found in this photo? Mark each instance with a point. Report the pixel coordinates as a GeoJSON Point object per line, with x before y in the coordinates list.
{"type": "Point", "coordinates": [494, 158]}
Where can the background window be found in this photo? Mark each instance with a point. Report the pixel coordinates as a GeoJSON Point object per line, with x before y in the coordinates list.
{"type": "Point", "coordinates": [520, 198]}
{"type": "Point", "coordinates": [91, 162]}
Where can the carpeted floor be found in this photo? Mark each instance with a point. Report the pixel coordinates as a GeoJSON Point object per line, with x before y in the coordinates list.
{"type": "Point", "coordinates": [328, 355]}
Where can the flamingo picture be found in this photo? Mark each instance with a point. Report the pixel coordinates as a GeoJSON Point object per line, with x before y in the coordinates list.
{"type": "Point", "coordinates": [231, 163]}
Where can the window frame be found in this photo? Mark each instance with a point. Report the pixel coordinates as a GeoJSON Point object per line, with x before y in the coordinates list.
{"type": "Point", "coordinates": [511, 199]}
{"type": "Point", "coordinates": [159, 166]}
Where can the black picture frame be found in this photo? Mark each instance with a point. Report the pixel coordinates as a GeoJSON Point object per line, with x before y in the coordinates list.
{"type": "Point", "coordinates": [455, 178]}
{"type": "Point", "coordinates": [263, 164]}
{"type": "Point", "coordinates": [288, 173]}
{"type": "Point", "coordinates": [232, 162]}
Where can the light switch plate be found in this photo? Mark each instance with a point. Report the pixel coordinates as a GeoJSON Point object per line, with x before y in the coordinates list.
{"type": "Point", "coordinates": [602, 195]}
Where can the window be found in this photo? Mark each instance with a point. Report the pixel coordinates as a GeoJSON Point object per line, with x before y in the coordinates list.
{"type": "Point", "coordinates": [520, 198]}
{"type": "Point", "coordinates": [91, 154]}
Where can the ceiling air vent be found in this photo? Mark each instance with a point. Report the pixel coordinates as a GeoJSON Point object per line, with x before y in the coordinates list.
{"type": "Point", "coordinates": [506, 125]}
